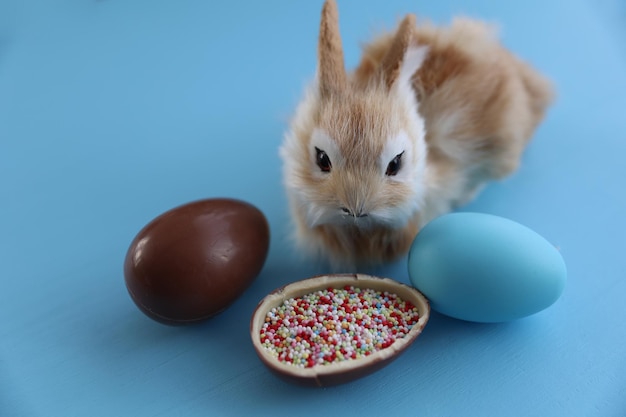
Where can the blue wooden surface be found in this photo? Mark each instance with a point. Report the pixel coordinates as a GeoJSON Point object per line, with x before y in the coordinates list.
{"type": "Point", "coordinates": [112, 112]}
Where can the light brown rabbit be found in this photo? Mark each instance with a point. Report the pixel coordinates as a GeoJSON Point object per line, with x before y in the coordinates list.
{"type": "Point", "coordinates": [428, 116]}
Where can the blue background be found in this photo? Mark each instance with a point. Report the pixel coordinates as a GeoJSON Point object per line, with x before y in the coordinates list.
{"type": "Point", "coordinates": [112, 112]}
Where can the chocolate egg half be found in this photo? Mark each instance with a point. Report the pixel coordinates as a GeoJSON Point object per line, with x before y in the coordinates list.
{"type": "Point", "coordinates": [193, 261]}
{"type": "Point", "coordinates": [344, 370]}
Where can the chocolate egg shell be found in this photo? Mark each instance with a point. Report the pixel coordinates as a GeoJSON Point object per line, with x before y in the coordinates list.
{"type": "Point", "coordinates": [347, 370]}
{"type": "Point", "coordinates": [193, 261]}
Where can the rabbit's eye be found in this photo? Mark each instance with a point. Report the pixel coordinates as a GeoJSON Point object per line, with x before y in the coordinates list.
{"type": "Point", "coordinates": [323, 161]}
{"type": "Point", "coordinates": [394, 166]}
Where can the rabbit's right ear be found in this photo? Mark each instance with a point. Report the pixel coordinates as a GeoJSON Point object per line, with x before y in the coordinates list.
{"type": "Point", "coordinates": [332, 76]}
{"type": "Point", "coordinates": [404, 57]}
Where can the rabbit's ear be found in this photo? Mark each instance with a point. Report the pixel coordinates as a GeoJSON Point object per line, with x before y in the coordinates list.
{"type": "Point", "coordinates": [404, 57]}
{"type": "Point", "coordinates": [331, 71]}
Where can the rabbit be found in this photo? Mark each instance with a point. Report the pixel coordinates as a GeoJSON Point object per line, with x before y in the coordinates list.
{"type": "Point", "coordinates": [429, 115]}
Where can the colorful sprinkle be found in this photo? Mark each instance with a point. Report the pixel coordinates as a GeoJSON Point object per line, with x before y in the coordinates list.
{"type": "Point", "coordinates": [334, 325]}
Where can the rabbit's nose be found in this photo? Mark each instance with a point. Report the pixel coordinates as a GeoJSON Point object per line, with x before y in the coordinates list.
{"type": "Point", "coordinates": [358, 213]}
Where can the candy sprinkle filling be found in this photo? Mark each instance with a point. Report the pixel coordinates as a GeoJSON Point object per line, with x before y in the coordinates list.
{"type": "Point", "coordinates": [334, 325]}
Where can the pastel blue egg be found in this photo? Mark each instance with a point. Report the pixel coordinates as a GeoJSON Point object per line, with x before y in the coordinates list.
{"type": "Point", "coordinates": [485, 268]}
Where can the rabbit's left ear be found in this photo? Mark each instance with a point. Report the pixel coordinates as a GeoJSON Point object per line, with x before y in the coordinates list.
{"type": "Point", "coordinates": [331, 71]}
{"type": "Point", "coordinates": [404, 58]}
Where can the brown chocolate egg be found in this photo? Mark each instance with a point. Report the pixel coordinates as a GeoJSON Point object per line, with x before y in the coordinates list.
{"type": "Point", "coordinates": [321, 311]}
{"type": "Point", "coordinates": [193, 261]}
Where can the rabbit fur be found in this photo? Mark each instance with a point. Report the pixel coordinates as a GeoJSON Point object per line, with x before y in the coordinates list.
{"type": "Point", "coordinates": [429, 115]}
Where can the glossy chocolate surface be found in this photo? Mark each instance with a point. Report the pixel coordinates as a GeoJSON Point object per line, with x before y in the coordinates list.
{"type": "Point", "coordinates": [193, 261]}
